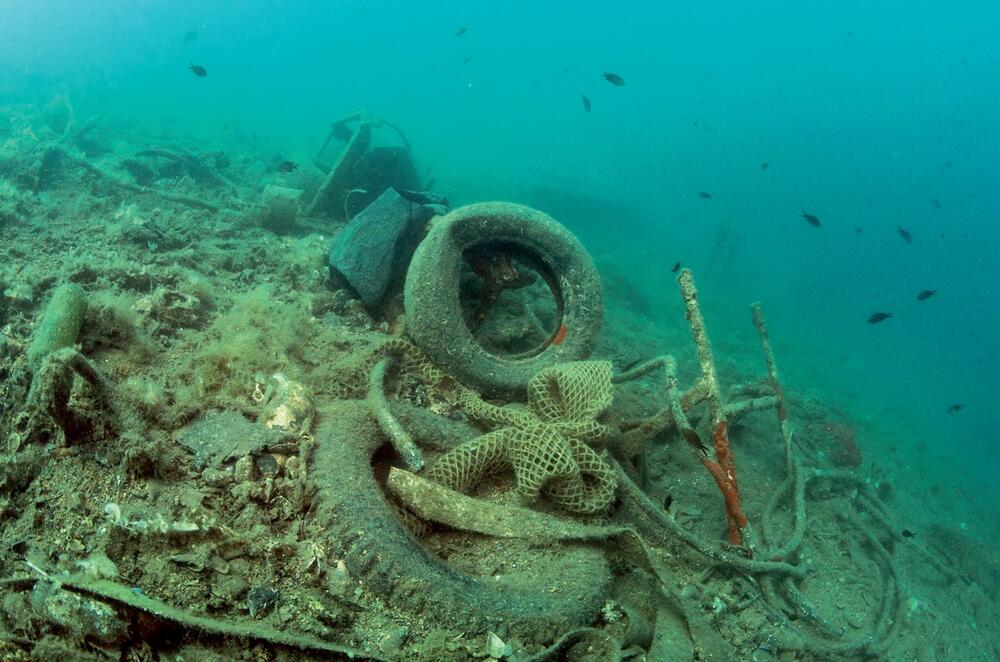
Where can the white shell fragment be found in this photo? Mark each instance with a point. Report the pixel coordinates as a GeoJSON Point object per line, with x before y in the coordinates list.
{"type": "Point", "coordinates": [286, 405]}
{"type": "Point", "coordinates": [496, 648]}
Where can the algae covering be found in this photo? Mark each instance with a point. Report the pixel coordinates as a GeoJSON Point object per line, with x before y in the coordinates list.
{"type": "Point", "coordinates": [212, 450]}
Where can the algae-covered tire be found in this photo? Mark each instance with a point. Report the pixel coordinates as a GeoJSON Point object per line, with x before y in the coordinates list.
{"type": "Point", "coordinates": [565, 591]}
{"type": "Point", "coordinates": [434, 317]}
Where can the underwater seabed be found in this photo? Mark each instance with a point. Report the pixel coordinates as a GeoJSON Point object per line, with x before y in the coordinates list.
{"type": "Point", "coordinates": [212, 450]}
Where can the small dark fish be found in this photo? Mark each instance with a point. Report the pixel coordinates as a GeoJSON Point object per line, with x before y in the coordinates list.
{"type": "Point", "coordinates": [467, 60]}
{"type": "Point", "coordinates": [586, 103]}
{"type": "Point", "coordinates": [631, 364]}
{"type": "Point", "coordinates": [704, 195]}
{"type": "Point", "coordinates": [190, 37]}
{"type": "Point", "coordinates": [926, 294]}
{"type": "Point", "coordinates": [879, 317]}
{"type": "Point", "coordinates": [692, 438]}
{"type": "Point", "coordinates": [936, 203]}
{"type": "Point", "coordinates": [764, 166]}
{"type": "Point", "coordinates": [462, 30]}
{"type": "Point", "coordinates": [812, 220]}
{"type": "Point", "coordinates": [906, 533]}
{"type": "Point", "coordinates": [198, 70]}
{"type": "Point", "coordinates": [858, 229]}
{"type": "Point", "coordinates": [677, 267]}
{"type": "Point", "coordinates": [668, 501]}
{"type": "Point", "coordinates": [954, 409]}
{"type": "Point", "coordinates": [614, 79]}
{"type": "Point", "coordinates": [905, 234]}
{"type": "Point", "coordinates": [287, 166]}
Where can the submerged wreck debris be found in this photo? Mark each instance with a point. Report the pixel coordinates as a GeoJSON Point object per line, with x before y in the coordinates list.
{"type": "Point", "coordinates": [499, 273]}
{"type": "Point", "coordinates": [180, 162]}
{"type": "Point", "coordinates": [67, 161]}
{"type": "Point", "coordinates": [60, 325]}
{"type": "Point", "coordinates": [55, 159]}
{"type": "Point", "coordinates": [408, 452]}
{"type": "Point", "coordinates": [434, 313]}
{"type": "Point", "coordinates": [776, 566]}
{"type": "Point", "coordinates": [372, 251]}
{"type": "Point", "coordinates": [279, 208]}
{"type": "Point", "coordinates": [360, 172]}
{"type": "Point", "coordinates": [213, 445]}
{"type": "Point", "coordinates": [549, 446]}
{"type": "Point", "coordinates": [383, 556]}
{"type": "Point", "coordinates": [55, 363]}
{"type": "Point", "coordinates": [94, 598]}
{"type": "Point", "coordinates": [51, 395]}
{"type": "Point", "coordinates": [723, 467]}
{"type": "Point", "coordinates": [785, 598]}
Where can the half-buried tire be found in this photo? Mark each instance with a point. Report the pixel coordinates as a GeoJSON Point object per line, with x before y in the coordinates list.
{"type": "Point", "coordinates": [565, 591]}
{"type": "Point", "coordinates": [434, 316]}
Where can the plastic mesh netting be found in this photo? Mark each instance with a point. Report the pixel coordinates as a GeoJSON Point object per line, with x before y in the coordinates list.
{"type": "Point", "coordinates": [547, 446]}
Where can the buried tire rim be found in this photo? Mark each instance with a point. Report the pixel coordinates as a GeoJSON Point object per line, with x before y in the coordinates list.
{"type": "Point", "coordinates": [435, 317]}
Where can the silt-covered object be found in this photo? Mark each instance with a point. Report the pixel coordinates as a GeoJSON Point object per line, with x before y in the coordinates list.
{"type": "Point", "coordinates": [374, 248]}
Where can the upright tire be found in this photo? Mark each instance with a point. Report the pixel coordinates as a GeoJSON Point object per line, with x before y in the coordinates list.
{"type": "Point", "coordinates": [434, 318]}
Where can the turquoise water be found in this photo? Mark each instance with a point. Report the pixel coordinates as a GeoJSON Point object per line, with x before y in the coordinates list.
{"type": "Point", "coordinates": [867, 118]}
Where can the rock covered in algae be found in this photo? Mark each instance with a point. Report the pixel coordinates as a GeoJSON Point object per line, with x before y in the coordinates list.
{"type": "Point", "coordinates": [279, 207]}
{"type": "Point", "coordinates": [218, 437]}
{"type": "Point", "coordinates": [85, 618]}
{"type": "Point", "coordinates": [373, 247]}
